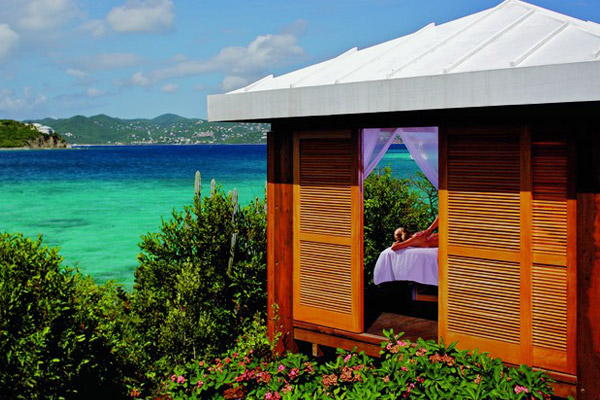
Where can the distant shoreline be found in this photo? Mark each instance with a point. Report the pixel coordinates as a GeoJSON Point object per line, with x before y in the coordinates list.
{"type": "Point", "coordinates": [168, 144]}
{"type": "Point", "coordinates": [76, 146]}
{"type": "Point", "coordinates": [37, 148]}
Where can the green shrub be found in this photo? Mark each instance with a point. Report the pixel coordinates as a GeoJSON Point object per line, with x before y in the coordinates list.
{"type": "Point", "coordinates": [424, 370]}
{"type": "Point", "coordinates": [390, 203]}
{"type": "Point", "coordinates": [60, 334]}
{"type": "Point", "coordinates": [187, 300]}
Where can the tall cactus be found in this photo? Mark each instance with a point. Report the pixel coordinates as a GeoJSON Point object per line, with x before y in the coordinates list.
{"type": "Point", "coordinates": [236, 206]}
{"type": "Point", "coordinates": [198, 184]}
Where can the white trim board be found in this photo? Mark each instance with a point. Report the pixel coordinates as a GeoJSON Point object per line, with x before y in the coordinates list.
{"type": "Point", "coordinates": [547, 84]}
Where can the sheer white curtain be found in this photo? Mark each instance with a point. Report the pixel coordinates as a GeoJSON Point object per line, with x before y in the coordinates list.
{"type": "Point", "coordinates": [375, 143]}
{"type": "Point", "coordinates": [421, 143]}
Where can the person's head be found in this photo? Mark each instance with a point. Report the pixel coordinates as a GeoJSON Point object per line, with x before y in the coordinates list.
{"type": "Point", "coordinates": [401, 234]}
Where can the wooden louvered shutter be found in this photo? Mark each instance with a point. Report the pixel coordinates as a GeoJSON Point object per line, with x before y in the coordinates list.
{"type": "Point", "coordinates": [328, 259]}
{"type": "Point", "coordinates": [480, 260]}
{"type": "Point", "coordinates": [508, 244]}
{"type": "Point", "coordinates": [553, 246]}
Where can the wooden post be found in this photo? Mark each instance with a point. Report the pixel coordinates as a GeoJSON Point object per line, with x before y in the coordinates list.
{"type": "Point", "coordinates": [213, 187]}
{"type": "Point", "coordinates": [316, 350]}
{"type": "Point", "coordinates": [280, 180]}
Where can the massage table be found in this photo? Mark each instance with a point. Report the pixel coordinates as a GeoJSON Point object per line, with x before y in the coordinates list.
{"type": "Point", "coordinates": [415, 264]}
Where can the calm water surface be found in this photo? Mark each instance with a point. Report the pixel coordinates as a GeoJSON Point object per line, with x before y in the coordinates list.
{"type": "Point", "coordinates": [95, 202]}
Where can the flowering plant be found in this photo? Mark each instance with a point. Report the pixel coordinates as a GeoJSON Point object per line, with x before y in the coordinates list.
{"type": "Point", "coordinates": [421, 370]}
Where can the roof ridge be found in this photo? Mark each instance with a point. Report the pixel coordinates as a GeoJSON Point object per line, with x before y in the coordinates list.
{"type": "Point", "coordinates": [580, 23]}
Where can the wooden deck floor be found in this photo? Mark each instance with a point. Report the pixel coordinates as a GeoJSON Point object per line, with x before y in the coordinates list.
{"type": "Point", "coordinates": [412, 327]}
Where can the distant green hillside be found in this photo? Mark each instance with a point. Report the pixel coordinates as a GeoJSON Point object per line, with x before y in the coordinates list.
{"type": "Point", "coordinates": [164, 129]}
{"type": "Point", "coordinates": [18, 134]}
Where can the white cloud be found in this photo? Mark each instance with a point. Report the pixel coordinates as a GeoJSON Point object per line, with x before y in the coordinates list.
{"type": "Point", "coordinates": [77, 73]}
{"type": "Point", "coordinates": [13, 103]}
{"type": "Point", "coordinates": [138, 79]}
{"type": "Point", "coordinates": [141, 16]}
{"type": "Point", "coordinates": [239, 64]}
{"type": "Point", "coordinates": [39, 15]}
{"type": "Point", "coordinates": [108, 61]}
{"type": "Point", "coordinates": [8, 40]}
{"type": "Point", "coordinates": [179, 58]}
{"type": "Point", "coordinates": [234, 82]}
{"type": "Point", "coordinates": [96, 27]}
{"type": "Point", "coordinates": [170, 88]}
{"type": "Point", "coordinates": [93, 92]}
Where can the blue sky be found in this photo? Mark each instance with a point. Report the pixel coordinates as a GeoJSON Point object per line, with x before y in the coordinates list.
{"type": "Point", "coordinates": [143, 58]}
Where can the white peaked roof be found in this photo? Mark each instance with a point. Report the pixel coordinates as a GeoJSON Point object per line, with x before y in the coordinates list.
{"type": "Point", "coordinates": [514, 53]}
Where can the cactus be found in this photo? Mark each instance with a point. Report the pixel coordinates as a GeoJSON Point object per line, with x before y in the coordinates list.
{"type": "Point", "coordinates": [197, 184]}
{"type": "Point", "coordinates": [236, 206]}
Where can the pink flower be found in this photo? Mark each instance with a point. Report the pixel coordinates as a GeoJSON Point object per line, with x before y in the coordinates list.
{"type": "Point", "coordinates": [402, 343]}
{"type": "Point", "coordinates": [294, 373]}
{"type": "Point", "coordinates": [347, 358]}
{"type": "Point", "coordinates": [173, 378]}
{"type": "Point", "coordinates": [200, 384]}
{"type": "Point", "coordinates": [269, 396]}
{"type": "Point", "coordinates": [520, 389]}
{"type": "Point", "coordinates": [180, 379]}
{"type": "Point", "coordinates": [280, 368]}
{"type": "Point", "coordinates": [404, 369]}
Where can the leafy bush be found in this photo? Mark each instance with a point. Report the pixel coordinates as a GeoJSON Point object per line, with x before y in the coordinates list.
{"type": "Point", "coordinates": [188, 299]}
{"type": "Point", "coordinates": [60, 334]}
{"type": "Point", "coordinates": [423, 370]}
{"type": "Point", "coordinates": [390, 203]}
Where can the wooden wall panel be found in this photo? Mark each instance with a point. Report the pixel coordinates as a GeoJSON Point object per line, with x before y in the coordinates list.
{"type": "Point", "coordinates": [588, 262]}
{"type": "Point", "coordinates": [328, 273]}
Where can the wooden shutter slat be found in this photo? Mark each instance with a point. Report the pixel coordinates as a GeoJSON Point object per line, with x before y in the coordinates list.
{"type": "Point", "coordinates": [507, 242]}
{"type": "Point", "coordinates": [481, 190]}
{"type": "Point", "coordinates": [327, 239]}
{"type": "Point", "coordinates": [550, 219]}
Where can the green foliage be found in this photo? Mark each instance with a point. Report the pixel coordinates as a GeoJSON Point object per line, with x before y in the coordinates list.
{"type": "Point", "coordinates": [423, 370]}
{"type": "Point", "coordinates": [60, 334]}
{"type": "Point", "coordinates": [391, 203]}
{"type": "Point", "coordinates": [16, 134]}
{"type": "Point", "coordinates": [187, 301]}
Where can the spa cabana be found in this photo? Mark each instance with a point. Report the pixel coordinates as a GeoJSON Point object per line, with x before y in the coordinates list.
{"type": "Point", "coordinates": [514, 94]}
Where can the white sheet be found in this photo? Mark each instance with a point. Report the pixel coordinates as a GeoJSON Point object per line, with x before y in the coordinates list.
{"type": "Point", "coordinates": [416, 264]}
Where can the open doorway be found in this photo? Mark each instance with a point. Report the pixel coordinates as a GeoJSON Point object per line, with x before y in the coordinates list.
{"type": "Point", "coordinates": [400, 180]}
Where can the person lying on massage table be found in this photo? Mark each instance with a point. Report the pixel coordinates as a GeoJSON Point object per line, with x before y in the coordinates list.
{"type": "Point", "coordinates": [424, 238]}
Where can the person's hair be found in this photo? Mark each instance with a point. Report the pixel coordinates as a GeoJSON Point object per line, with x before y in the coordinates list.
{"type": "Point", "coordinates": [403, 234]}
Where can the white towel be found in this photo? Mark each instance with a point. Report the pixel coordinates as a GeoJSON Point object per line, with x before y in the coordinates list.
{"type": "Point", "coordinates": [416, 264]}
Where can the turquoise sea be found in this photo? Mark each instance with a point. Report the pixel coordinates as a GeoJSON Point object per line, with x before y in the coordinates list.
{"type": "Point", "coordinates": [95, 202]}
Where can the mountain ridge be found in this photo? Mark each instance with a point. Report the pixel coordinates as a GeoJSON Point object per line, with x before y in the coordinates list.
{"type": "Point", "coordinates": [166, 128]}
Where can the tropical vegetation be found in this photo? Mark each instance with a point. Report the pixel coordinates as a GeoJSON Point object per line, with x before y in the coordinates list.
{"type": "Point", "coordinates": [18, 134]}
{"type": "Point", "coordinates": [193, 325]}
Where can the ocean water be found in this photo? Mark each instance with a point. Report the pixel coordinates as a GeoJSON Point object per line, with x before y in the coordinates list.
{"type": "Point", "coordinates": [95, 202]}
